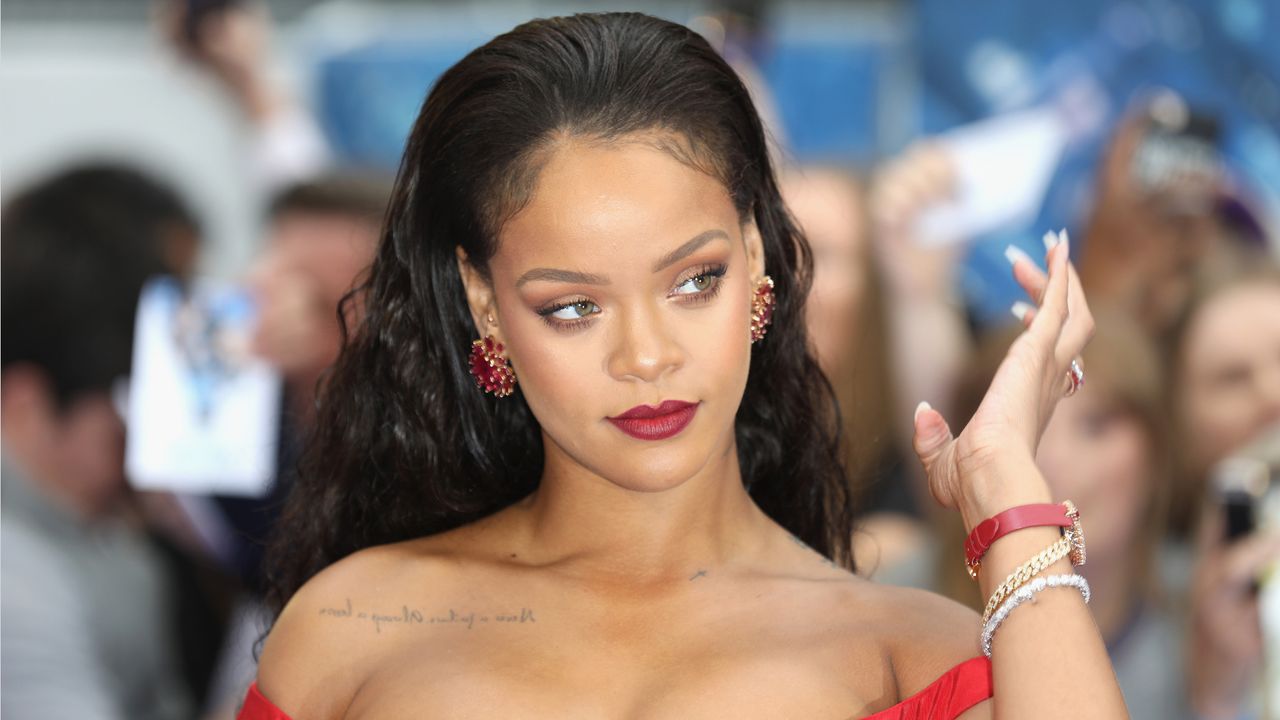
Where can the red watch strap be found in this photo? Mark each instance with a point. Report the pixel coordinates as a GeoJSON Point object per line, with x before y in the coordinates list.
{"type": "Point", "coordinates": [1015, 518]}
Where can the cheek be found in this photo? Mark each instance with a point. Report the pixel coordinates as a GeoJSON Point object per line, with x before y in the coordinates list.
{"type": "Point", "coordinates": [1218, 421]}
{"type": "Point", "coordinates": [559, 373]}
{"type": "Point", "coordinates": [1123, 490]}
{"type": "Point", "coordinates": [1125, 465]}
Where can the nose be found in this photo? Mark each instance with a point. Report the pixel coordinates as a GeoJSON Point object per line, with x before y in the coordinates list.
{"type": "Point", "coordinates": [644, 349]}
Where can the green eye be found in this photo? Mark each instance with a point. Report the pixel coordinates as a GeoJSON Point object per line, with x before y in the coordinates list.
{"type": "Point", "coordinates": [576, 310]}
{"type": "Point", "coordinates": [696, 284]}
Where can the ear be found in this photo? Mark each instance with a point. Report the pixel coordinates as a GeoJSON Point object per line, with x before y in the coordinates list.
{"type": "Point", "coordinates": [754, 245]}
{"type": "Point", "coordinates": [480, 297]}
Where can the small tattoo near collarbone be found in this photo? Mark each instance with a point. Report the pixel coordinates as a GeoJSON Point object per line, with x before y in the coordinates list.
{"type": "Point", "coordinates": [468, 619]}
{"type": "Point", "coordinates": [699, 574]}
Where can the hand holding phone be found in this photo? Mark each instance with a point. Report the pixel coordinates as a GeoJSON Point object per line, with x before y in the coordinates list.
{"type": "Point", "coordinates": [1232, 632]}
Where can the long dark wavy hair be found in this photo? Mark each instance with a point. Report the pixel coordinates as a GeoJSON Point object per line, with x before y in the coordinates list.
{"type": "Point", "coordinates": [404, 444]}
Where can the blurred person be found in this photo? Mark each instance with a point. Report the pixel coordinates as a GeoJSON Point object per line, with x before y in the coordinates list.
{"type": "Point", "coordinates": [845, 315]}
{"type": "Point", "coordinates": [928, 333]}
{"type": "Point", "coordinates": [321, 237]}
{"type": "Point", "coordinates": [89, 618]}
{"type": "Point", "coordinates": [919, 334]}
{"type": "Point", "coordinates": [627, 243]}
{"type": "Point", "coordinates": [1106, 451]}
{"type": "Point", "coordinates": [1226, 391]}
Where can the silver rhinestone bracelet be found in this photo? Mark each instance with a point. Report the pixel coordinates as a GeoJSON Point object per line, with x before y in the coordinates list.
{"type": "Point", "coordinates": [1027, 593]}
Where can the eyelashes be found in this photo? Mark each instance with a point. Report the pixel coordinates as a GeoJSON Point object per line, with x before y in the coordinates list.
{"type": "Point", "coordinates": [700, 286]}
{"type": "Point", "coordinates": [705, 284]}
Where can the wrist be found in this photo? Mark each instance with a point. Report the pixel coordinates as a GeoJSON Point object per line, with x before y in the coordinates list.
{"type": "Point", "coordinates": [990, 488]}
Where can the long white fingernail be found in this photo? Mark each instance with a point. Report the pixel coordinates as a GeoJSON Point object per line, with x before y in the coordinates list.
{"type": "Point", "coordinates": [924, 405]}
{"type": "Point", "coordinates": [1020, 310]}
{"type": "Point", "coordinates": [1051, 240]}
{"type": "Point", "coordinates": [1014, 254]}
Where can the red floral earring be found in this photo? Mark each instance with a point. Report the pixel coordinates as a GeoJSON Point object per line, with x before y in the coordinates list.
{"type": "Point", "coordinates": [490, 367]}
{"type": "Point", "coordinates": [762, 303]}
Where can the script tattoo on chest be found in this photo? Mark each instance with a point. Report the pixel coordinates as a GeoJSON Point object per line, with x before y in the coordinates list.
{"type": "Point", "coordinates": [407, 615]}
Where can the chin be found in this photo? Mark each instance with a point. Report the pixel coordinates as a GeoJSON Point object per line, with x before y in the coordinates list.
{"type": "Point", "coordinates": [650, 479]}
{"type": "Point", "coordinates": [645, 466]}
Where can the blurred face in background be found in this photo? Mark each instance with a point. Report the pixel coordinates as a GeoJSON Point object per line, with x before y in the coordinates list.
{"type": "Point", "coordinates": [310, 262]}
{"type": "Point", "coordinates": [1230, 371]}
{"type": "Point", "coordinates": [1099, 455]}
{"type": "Point", "coordinates": [828, 206]}
{"type": "Point", "coordinates": [75, 451]}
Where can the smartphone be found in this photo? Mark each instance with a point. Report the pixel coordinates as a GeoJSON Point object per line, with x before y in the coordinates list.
{"type": "Point", "coordinates": [1240, 483]}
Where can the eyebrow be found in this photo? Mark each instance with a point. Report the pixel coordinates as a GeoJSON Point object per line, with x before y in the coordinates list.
{"type": "Point", "coordinates": [573, 276]}
{"type": "Point", "coordinates": [688, 248]}
{"type": "Point", "coordinates": [565, 276]}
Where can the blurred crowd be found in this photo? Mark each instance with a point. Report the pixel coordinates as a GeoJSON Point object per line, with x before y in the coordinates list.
{"type": "Point", "coordinates": [121, 603]}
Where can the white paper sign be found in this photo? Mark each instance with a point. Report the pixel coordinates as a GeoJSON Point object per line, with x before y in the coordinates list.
{"type": "Point", "coordinates": [1003, 167]}
{"type": "Point", "coordinates": [203, 413]}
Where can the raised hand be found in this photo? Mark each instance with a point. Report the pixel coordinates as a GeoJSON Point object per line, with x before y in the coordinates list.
{"type": "Point", "coordinates": [919, 179]}
{"type": "Point", "coordinates": [990, 464]}
{"type": "Point", "coordinates": [232, 43]}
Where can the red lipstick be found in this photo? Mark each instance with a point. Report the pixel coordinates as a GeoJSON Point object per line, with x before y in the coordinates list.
{"type": "Point", "coordinates": [645, 422]}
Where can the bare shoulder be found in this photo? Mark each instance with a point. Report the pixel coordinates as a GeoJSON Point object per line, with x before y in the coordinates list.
{"type": "Point", "coordinates": [924, 634]}
{"type": "Point", "coordinates": [323, 645]}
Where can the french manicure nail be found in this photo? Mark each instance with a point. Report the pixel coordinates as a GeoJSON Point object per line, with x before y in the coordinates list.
{"type": "Point", "coordinates": [1013, 254]}
{"type": "Point", "coordinates": [1020, 310]}
{"type": "Point", "coordinates": [924, 405]}
{"type": "Point", "coordinates": [1051, 240]}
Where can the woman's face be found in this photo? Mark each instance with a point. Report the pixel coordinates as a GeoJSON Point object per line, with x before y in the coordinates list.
{"type": "Point", "coordinates": [1230, 371]}
{"type": "Point", "coordinates": [829, 211]}
{"type": "Point", "coordinates": [625, 281]}
{"type": "Point", "coordinates": [1100, 458]}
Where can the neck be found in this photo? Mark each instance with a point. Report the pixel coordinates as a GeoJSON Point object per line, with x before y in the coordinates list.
{"type": "Point", "coordinates": [47, 477]}
{"type": "Point", "coordinates": [607, 533]}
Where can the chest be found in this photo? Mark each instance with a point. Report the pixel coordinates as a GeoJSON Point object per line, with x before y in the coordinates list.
{"type": "Point", "coordinates": [740, 660]}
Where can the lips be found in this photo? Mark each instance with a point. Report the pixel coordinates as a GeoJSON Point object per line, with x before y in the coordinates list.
{"type": "Point", "coordinates": [645, 422]}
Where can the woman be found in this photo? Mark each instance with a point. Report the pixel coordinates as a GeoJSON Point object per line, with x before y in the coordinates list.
{"type": "Point", "coordinates": [845, 319]}
{"type": "Point", "coordinates": [653, 522]}
{"type": "Point", "coordinates": [1226, 395]}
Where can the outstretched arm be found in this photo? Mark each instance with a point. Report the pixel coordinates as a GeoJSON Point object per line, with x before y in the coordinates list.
{"type": "Point", "coordinates": [1048, 658]}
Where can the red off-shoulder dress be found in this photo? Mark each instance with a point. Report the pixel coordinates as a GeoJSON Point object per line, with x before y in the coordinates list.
{"type": "Point", "coordinates": [959, 689]}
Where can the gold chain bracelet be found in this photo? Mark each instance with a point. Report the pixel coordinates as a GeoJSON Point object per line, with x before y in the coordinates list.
{"type": "Point", "coordinates": [1025, 572]}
